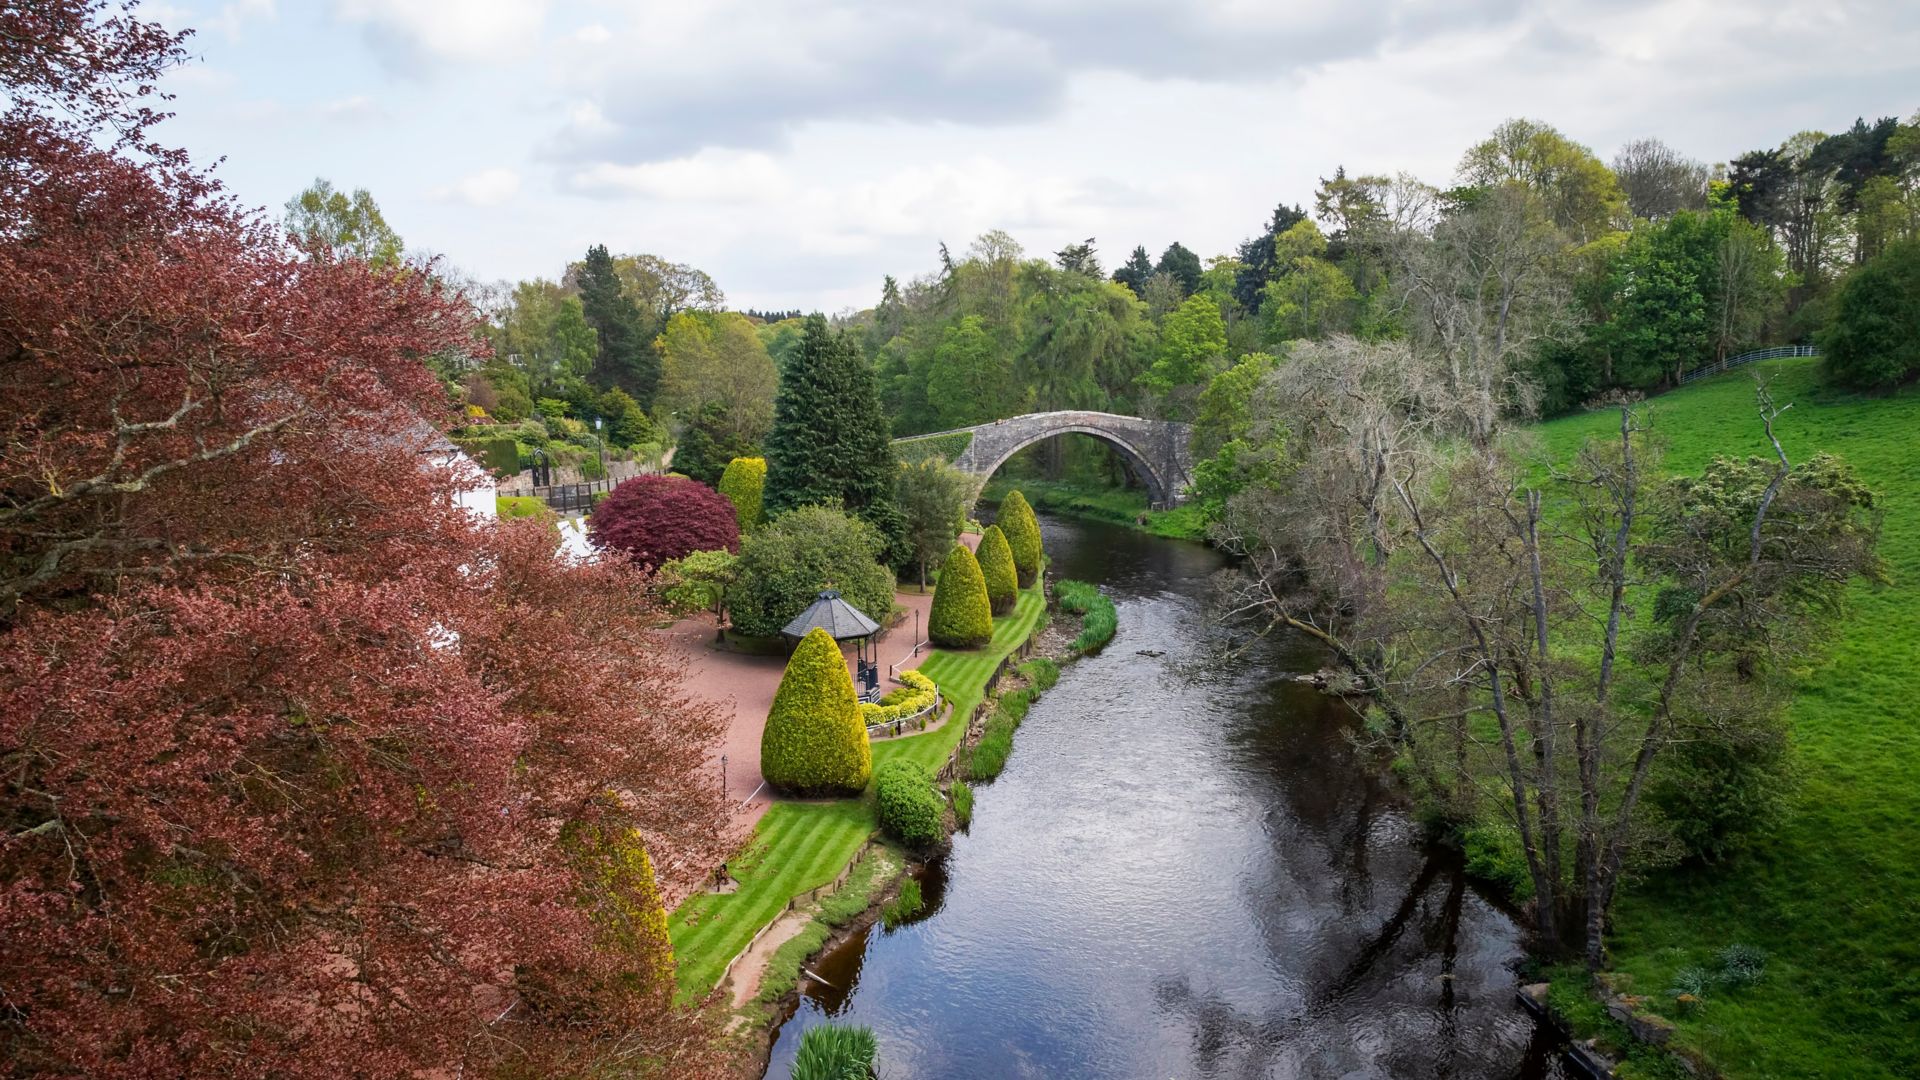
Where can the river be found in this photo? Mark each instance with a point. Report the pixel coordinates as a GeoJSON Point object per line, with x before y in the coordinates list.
{"type": "Point", "coordinates": [1186, 870]}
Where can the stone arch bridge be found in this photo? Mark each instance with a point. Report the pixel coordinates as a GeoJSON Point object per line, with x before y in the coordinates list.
{"type": "Point", "coordinates": [1158, 451]}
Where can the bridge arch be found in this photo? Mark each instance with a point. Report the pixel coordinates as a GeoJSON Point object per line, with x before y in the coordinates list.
{"type": "Point", "coordinates": [1158, 451]}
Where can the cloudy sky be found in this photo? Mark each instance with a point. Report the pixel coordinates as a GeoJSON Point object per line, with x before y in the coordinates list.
{"type": "Point", "coordinates": [799, 149]}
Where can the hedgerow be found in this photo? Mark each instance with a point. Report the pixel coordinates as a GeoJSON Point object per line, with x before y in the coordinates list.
{"type": "Point", "coordinates": [815, 742]}
{"type": "Point", "coordinates": [961, 618]}
{"type": "Point", "coordinates": [996, 565]}
{"type": "Point", "coordinates": [908, 806]}
{"type": "Point", "coordinates": [947, 447]}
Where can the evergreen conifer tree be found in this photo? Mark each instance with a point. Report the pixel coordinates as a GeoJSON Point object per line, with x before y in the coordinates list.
{"type": "Point", "coordinates": [996, 565]}
{"type": "Point", "coordinates": [831, 440]}
{"type": "Point", "coordinates": [1022, 529]}
{"type": "Point", "coordinates": [815, 741]}
{"type": "Point", "coordinates": [627, 358]}
{"type": "Point", "coordinates": [961, 617]}
{"type": "Point", "coordinates": [743, 484]}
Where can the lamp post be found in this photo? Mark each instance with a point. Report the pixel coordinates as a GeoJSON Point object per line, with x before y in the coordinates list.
{"type": "Point", "coordinates": [723, 774]}
{"type": "Point", "coordinates": [916, 631]}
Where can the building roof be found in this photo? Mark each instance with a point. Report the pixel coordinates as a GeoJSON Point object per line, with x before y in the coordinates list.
{"type": "Point", "coordinates": [838, 618]}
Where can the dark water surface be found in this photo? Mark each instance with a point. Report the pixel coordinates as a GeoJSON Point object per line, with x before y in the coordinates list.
{"type": "Point", "coordinates": [1184, 871]}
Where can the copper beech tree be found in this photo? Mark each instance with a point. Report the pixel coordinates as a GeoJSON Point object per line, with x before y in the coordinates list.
{"type": "Point", "coordinates": [296, 758]}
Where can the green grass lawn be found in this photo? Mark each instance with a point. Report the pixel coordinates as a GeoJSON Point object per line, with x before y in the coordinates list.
{"type": "Point", "coordinates": [801, 846]}
{"type": "Point", "coordinates": [1834, 898]}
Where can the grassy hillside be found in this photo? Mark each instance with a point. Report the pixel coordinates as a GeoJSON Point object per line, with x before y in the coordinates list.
{"type": "Point", "coordinates": [1835, 897]}
{"type": "Point", "coordinates": [799, 846]}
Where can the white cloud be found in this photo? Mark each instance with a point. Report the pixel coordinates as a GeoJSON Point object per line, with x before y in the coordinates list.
{"type": "Point", "coordinates": [488, 187]}
{"type": "Point", "coordinates": [234, 16]}
{"type": "Point", "coordinates": [357, 108]}
{"type": "Point", "coordinates": [407, 32]}
{"type": "Point", "coordinates": [721, 176]}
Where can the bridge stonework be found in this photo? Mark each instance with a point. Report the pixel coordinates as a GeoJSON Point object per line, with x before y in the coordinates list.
{"type": "Point", "coordinates": [1159, 452]}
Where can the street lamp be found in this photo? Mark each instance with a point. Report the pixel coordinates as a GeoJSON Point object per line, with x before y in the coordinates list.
{"type": "Point", "coordinates": [723, 774]}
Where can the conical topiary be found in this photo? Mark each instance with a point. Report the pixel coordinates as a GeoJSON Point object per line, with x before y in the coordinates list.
{"type": "Point", "coordinates": [961, 617]}
{"type": "Point", "coordinates": [996, 565]}
{"type": "Point", "coordinates": [743, 484]}
{"type": "Point", "coordinates": [815, 742]}
{"type": "Point", "coordinates": [1016, 520]}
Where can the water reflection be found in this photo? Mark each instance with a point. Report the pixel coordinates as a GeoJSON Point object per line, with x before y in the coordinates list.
{"type": "Point", "coordinates": [1184, 871]}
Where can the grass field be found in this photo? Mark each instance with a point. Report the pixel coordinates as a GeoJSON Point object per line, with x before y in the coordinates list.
{"type": "Point", "coordinates": [1834, 898]}
{"type": "Point", "coordinates": [800, 846]}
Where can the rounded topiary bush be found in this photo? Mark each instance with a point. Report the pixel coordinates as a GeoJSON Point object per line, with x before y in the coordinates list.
{"type": "Point", "coordinates": [961, 617]}
{"type": "Point", "coordinates": [654, 519]}
{"type": "Point", "coordinates": [1022, 530]}
{"type": "Point", "coordinates": [790, 559]}
{"type": "Point", "coordinates": [744, 483]}
{"type": "Point", "coordinates": [909, 808]}
{"type": "Point", "coordinates": [996, 565]}
{"type": "Point", "coordinates": [815, 742]}
{"type": "Point", "coordinates": [617, 887]}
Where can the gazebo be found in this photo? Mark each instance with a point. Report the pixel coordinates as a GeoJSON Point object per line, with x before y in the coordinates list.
{"type": "Point", "coordinates": [842, 622]}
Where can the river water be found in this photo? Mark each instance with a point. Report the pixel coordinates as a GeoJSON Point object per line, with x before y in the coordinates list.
{"type": "Point", "coordinates": [1185, 871]}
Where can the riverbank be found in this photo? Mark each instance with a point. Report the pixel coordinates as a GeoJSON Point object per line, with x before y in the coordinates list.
{"type": "Point", "coordinates": [1119, 506]}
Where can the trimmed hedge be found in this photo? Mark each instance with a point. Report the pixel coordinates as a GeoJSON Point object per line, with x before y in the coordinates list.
{"type": "Point", "coordinates": [656, 519]}
{"type": "Point", "coordinates": [946, 447]}
{"type": "Point", "coordinates": [815, 742]}
{"type": "Point", "coordinates": [1022, 530]}
{"type": "Point", "coordinates": [961, 617]}
{"type": "Point", "coordinates": [744, 483]}
{"type": "Point", "coordinates": [784, 566]}
{"type": "Point", "coordinates": [498, 453]}
{"type": "Point", "coordinates": [996, 565]}
{"type": "Point", "coordinates": [909, 807]}
{"type": "Point", "coordinates": [509, 507]}
{"type": "Point", "coordinates": [916, 693]}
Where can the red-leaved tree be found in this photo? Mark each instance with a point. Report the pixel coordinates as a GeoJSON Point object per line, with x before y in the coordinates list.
{"type": "Point", "coordinates": [655, 519]}
{"type": "Point", "coordinates": [303, 771]}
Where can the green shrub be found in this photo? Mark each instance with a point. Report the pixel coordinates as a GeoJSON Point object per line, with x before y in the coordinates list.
{"type": "Point", "coordinates": [835, 1052]}
{"type": "Point", "coordinates": [961, 617]}
{"type": "Point", "coordinates": [902, 908]}
{"type": "Point", "coordinates": [996, 565]}
{"type": "Point", "coordinates": [1742, 965]}
{"type": "Point", "coordinates": [1015, 703]}
{"type": "Point", "coordinates": [1874, 339]}
{"type": "Point", "coordinates": [906, 803]}
{"type": "Point", "coordinates": [961, 793]}
{"type": "Point", "coordinates": [1494, 856]}
{"type": "Point", "coordinates": [791, 558]}
{"type": "Point", "coordinates": [815, 742]}
{"type": "Point", "coordinates": [520, 506]}
{"type": "Point", "coordinates": [1022, 530]}
{"type": "Point", "coordinates": [1042, 672]}
{"type": "Point", "coordinates": [990, 754]}
{"type": "Point", "coordinates": [918, 693]}
{"type": "Point", "coordinates": [1098, 619]}
{"type": "Point", "coordinates": [744, 483]}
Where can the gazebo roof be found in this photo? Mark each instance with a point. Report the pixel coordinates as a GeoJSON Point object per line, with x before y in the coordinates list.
{"type": "Point", "coordinates": [838, 618]}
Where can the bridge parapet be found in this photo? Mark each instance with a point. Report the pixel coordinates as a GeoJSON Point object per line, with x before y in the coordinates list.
{"type": "Point", "coordinates": [1159, 451]}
